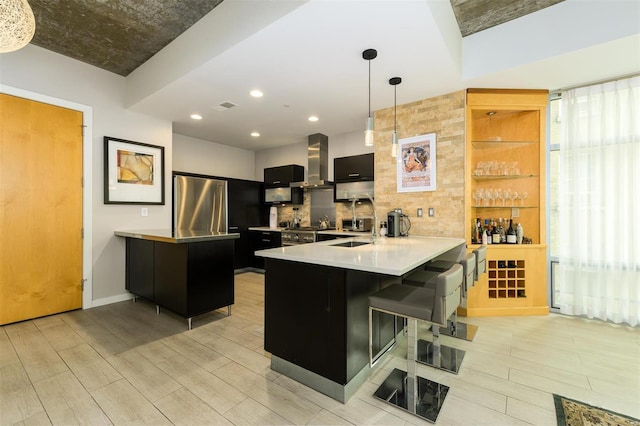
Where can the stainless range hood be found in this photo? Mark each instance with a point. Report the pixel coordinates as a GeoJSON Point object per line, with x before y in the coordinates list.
{"type": "Point", "coordinates": [318, 164]}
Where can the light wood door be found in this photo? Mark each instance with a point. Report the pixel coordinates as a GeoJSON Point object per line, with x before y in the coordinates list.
{"type": "Point", "coordinates": [40, 209]}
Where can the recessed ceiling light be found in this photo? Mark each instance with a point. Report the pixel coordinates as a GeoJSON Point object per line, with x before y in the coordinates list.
{"type": "Point", "coordinates": [256, 93]}
{"type": "Point", "coordinates": [196, 116]}
{"type": "Point", "coordinates": [255, 134]}
{"type": "Point", "coordinates": [313, 118]}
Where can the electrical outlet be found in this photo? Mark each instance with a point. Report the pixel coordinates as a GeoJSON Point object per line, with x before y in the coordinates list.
{"type": "Point", "coordinates": [420, 212]}
{"type": "Point", "coordinates": [144, 211]}
{"type": "Point", "coordinates": [515, 212]}
{"type": "Point", "coordinates": [432, 212]}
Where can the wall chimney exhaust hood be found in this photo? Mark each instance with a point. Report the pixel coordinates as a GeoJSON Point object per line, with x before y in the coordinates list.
{"type": "Point", "coordinates": [318, 164]}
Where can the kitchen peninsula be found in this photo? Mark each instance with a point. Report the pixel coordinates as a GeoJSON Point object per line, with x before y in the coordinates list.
{"type": "Point", "coordinates": [185, 271]}
{"type": "Point", "coordinates": [316, 304]}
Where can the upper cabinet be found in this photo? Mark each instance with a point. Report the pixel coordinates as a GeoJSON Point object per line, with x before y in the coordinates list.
{"type": "Point", "coordinates": [505, 180]}
{"type": "Point", "coordinates": [276, 184]}
{"type": "Point", "coordinates": [283, 175]}
{"type": "Point", "coordinates": [353, 168]}
{"type": "Point", "coordinates": [353, 177]}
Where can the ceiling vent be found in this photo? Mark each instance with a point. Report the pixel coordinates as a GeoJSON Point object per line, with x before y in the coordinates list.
{"type": "Point", "coordinates": [224, 106]}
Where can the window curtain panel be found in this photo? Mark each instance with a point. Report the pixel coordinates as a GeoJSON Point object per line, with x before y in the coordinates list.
{"type": "Point", "coordinates": [600, 202]}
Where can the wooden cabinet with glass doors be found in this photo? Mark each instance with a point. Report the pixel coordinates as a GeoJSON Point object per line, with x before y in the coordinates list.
{"type": "Point", "coordinates": [505, 180]}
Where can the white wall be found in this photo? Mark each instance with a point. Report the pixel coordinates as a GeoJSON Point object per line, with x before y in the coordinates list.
{"type": "Point", "coordinates": [208, 158]}
{"type": "Point", "coordinates": [43, 72]}
{"type": "Point", "coordinates": [339, 146]}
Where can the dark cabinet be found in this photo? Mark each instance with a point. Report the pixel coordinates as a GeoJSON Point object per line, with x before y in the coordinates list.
{"type": "Point", "coordinates": [246, 209]}
{"type": "Point", "coordinates": [276, 184]}
{"type": "Point", "coordinates": [282, 176]}
{"type": "Point", "coordinates": [354, 168]}
{"type": "Point", "coordinates": [261, 240]}
{"type": "Point", "coordinates": [187, 278]}
{"type": "Point", "coordinates": [317, 317]}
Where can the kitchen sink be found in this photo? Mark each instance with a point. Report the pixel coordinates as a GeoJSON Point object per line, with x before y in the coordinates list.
{"type": "Point", "coordinates": [351, 244]}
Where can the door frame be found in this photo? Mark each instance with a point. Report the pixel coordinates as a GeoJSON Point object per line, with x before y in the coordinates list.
{"type": "Point", "coordinates": [87, 191]}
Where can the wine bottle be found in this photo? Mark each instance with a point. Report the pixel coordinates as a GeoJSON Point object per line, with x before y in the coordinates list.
{"type": "Point", "coordinates": [495, 234]}
{"type": "Point", "coordinates": [502, 231]}
{"type": "Point", "coordinates": [512, 237]}
{"type": "Point", "coordinates": [485, 238]}
{"type": "Point", "coordinates": [474, 234]}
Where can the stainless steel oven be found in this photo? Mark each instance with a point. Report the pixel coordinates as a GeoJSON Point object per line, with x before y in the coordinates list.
{"type": "Point", "coordinates": [302, 235]}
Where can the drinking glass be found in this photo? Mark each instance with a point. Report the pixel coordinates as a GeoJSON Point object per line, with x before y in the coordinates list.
{"type": "Point", "coordinates": [488, 196]}
{"type": "Point", "coordinates": [497, 195]}
{"type": "Point", "coordinates": [522, 197]}
{"type": "Point", "coordinates": [477, 196]}
{"type": "Point", "coordinates": [514, 195]}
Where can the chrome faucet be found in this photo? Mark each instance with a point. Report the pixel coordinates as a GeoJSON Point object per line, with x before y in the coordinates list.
{"type": "Point", "coordinates": [374, 229]}
{"type": "Point", "coordinates": [354, 221]}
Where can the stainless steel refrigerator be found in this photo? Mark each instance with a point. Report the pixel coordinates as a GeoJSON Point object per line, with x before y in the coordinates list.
{"type": "Point", "coordinates": [199, 204]}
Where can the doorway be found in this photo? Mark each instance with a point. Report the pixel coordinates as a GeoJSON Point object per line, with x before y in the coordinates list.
{"type": "Point", "coordinates": [41, 199]}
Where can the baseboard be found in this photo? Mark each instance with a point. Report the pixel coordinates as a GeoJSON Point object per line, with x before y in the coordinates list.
{"type": "Point", "coordinates": [506, 312]}
{"type": "Point", "coordinates": [109, 300]}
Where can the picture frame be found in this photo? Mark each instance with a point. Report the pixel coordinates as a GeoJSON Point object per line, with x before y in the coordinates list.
{"type": "Point", "coordinates": [133, 172]}
{"type": "Point", "coordinates": [416, 163]}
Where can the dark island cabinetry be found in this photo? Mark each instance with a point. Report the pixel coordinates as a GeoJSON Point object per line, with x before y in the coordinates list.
{"type": "Point", "coordinates": [316, 317]}
{"type": "Point", "coordinates": [188, 278]}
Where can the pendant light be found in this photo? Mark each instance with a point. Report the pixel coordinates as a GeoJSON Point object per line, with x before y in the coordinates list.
{"type": "Point", "coordinates": [368, 55]}
{"type": "Point", "coordinates": [17, 25]}
{"type": "Point", "coordinates": [394, 140]}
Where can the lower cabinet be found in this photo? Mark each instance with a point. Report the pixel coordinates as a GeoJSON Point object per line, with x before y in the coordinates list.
{"type": "Point", "coordinates": [261, 240]}
{"type": "Point", "coordinates": [317, 317]}
{"type": "Point", "coordinates": [186, 278]}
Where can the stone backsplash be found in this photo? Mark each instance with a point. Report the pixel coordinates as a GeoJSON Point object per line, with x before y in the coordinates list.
{"type": "Point", "coordinates": [442, 115]}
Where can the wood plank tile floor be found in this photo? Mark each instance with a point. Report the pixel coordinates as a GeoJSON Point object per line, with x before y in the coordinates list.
{"type": "Point", "coordinates": [123, 364]}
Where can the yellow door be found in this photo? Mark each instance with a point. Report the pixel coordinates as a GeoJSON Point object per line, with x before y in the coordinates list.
{"type": "Point", "coordinates": [40, 209]}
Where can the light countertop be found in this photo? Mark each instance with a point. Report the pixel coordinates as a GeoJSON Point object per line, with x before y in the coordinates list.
{"type": "Point", "coordinates": [176, 236]}
{"type": "Point", "coordinates": [391, 256]}
{"type": "Point", "coordinates": [323, 232]}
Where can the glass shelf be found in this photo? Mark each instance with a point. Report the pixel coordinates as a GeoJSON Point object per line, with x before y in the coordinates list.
{"type": "Point", "coordinates": [494, 144]}
{"type": "Point", "coordinates": [504, 207]}
{"type": "Point", "coordinates": [500, 177]}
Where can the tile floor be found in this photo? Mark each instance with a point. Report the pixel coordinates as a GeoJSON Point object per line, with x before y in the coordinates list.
{"type": "Point", "coordinates": [123, 364]}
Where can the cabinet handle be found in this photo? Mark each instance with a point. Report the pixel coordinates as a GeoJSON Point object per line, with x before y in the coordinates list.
{"type": "Point", "coordinates": [266, 233]}
{"type": "Point", "coordinates": [354, 174]}
{"type": "Point", "coordinates": [233, 227]}
{"type": "Point", "coordinates": [264, 240]}
{"type": "Point", "coordinates": [276, 181]}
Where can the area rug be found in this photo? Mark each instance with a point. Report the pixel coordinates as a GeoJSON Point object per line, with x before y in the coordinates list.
{"type": "Point", "coordinates": [570, 412]}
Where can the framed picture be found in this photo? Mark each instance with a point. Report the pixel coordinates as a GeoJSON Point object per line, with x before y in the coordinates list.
{"type": "Point", "coordinates": [133, 172]}
{"type": "Point", "coordinates": [417, 163]}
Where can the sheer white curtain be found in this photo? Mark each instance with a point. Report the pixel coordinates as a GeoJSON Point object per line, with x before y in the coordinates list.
{"type": "Point", "coordinates": [600, 202]}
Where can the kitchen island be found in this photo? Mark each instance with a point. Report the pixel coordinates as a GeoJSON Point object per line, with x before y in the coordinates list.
{"type": "Point", "coordinates": [187, 272]}
{"type": "Point", "coordinates": [316, 304]}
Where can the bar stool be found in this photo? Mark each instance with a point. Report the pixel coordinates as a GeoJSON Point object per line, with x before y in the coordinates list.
{"type": "Point", "coordinates": [481, 260]}
{"type": "Point", "coordinates": [459, 330]}
{"type": "Point", "coordinates": [406, 390]}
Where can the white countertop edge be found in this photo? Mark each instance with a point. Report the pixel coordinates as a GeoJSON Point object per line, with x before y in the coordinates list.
{"type": "Point", "coordinates": [384, 257]}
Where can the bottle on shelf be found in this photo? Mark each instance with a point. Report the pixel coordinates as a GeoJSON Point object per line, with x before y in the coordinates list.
{"type": "Point", "coordinates": [485, 238]}
{"type": "Point", "coordinates": [487, 230]}
{"type": "Point", "coordinates": [495, 234]}
{"type": "Point", "coordinates": [512, 237]}
{"type": "Point", "coordinates": [502, 231]}
{"type": "Point", "coordinates": [474, 235]}
{"type": "Point", "coordinates": [519, 233]}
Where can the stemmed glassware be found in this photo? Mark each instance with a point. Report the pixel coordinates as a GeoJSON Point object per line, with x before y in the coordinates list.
{"type": "Point", "coordinates": [513, 196]}
{"type": "Point", "coordinates": [477, 196]}
{"type": "Point", "coordinates": [522, 197]}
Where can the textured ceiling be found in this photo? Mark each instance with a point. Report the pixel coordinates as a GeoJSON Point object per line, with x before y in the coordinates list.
{"type": "Point", "coordinates": [477, 15]}
{"type": "Point", "coordinates": [117, 36]}
{"type": "Point", "coordinates": [120, 35]}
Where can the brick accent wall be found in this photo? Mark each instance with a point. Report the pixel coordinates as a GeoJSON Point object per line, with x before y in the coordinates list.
{"type": "Point", "coordinates": [444, 116]}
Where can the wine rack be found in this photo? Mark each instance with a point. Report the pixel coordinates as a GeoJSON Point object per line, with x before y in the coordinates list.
{"type": "Point", "coordinates": [504, 178]}
{"type": "Point", "coordinates": [506, 279]}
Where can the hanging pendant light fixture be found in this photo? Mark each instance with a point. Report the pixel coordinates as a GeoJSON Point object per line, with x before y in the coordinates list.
{"type": "Point", "coordinates": [17, 25]}
{"type": "Point", "coordinates": [368, 55]}
{"type": "Point", "coordinates": [394, 140]}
